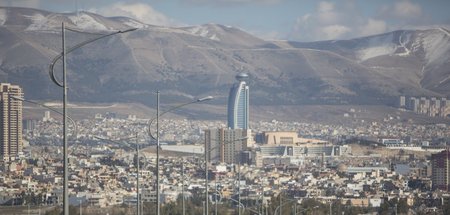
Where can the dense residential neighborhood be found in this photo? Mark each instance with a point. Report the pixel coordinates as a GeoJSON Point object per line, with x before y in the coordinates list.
{"type": "Point", "coordinates": [103, 171]}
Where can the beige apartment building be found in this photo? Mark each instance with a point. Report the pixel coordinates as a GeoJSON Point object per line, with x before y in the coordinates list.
{"type": "Point", "coordinates": [286, 138]}
{"type": "Point", "coordinates": [11, 121]}
{"type": "Point", "coordinates": [226, 145]}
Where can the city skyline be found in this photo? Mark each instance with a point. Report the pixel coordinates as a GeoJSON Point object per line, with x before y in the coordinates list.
{"type": "Point", "coordinates": [339, 126]}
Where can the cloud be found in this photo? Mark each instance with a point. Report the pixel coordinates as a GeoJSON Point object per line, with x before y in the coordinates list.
{"type": "Point", "coordinates": [331, 32]}
{"type": "Point", "coordinates": [330, 21]}
{"type": "Point", "coordinates": [404, 10]}
{"type": "Point", "coordinates": [140, 11]}
{"type": "Point", "coordinates": [326, 13]}
{"type": "Point", "coordinates": [372, 27]}
{"type": "Point", "coordinates": [21, 3]}
{"type": "Point", "coordinates": [404, 14]}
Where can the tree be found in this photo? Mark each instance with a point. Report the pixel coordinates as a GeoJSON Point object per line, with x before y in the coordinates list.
{"type": "Point", "coordinates": [446, 208]}
{"type": "Point", "coordinates": [402, 207]}
{"type": "Point", "coordinates": [384, 208]}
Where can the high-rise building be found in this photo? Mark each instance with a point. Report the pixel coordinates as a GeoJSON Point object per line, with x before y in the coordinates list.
{"type": "Point", "coordinates": [413, 104]}
{"type": "Point", "coordinates": [402, 102]}
{"type": "Point", "coordinates": [444, 108]}
{"type": "Point", "coordinates": [47, 117]}
{"type": "Point", "coordinates": [435, 106]}
{"type": "Point", "coordinates": [238, 104]}
{"type": "Point", "coordinates": [440, 174]}
{"type": "Point", "coordinates": [11, 121]}
{"type": "Point", "coordinates": [226, 145]}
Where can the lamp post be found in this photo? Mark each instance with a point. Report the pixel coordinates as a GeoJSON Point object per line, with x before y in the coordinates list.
{"type": "Point", "coordinates": [182, 186]}
{"type": "Point", "coordinates": [138, 200]}
{"type": "Point", "coordinates": [217, 193]}
{"type": "Point", "coordinates": [158, 206]}
{"type": "Point", "coordinates": [64, 86]}
{"type": "Point", "coordinates": [239, 185]}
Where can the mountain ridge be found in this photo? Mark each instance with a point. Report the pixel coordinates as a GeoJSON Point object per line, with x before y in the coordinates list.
{"type": "Point", "coordinates": [194, 61]}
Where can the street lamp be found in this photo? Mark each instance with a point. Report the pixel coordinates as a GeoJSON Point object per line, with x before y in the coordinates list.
{"type": "Point", "coordinates": [182, 186]}
{"type": "Point", "coordinates": [217, 195]}
{"type": "Point", "coordinates": [207, 151]}
{"type": "Point", "coordinates": [158, 211]}
{"type": "Point", "coordinates": [64, 86]}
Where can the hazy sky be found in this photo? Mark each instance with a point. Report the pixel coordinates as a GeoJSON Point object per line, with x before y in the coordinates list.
{"type": "Point", "coordinates": [301, 20]}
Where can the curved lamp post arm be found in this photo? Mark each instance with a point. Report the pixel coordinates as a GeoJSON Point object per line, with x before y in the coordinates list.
{"type": "Point", "coordinates": [150, 122]}
{"type": "Point", "coordinates": [52, 64]}
{"type": "Point", "coordinates": [218, 193]}
{"type": "Point", "coordinates": [50, 108]}
{"type": "Point", "coordinates": [241, 205]}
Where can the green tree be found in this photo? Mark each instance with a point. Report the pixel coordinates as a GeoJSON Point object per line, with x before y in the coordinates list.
{"type": "Point", "coordinates": [402, 207]}
{"type": "Point", "coordinates": [446, 208]}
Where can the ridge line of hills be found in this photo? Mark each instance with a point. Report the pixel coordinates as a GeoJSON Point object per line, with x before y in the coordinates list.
{"type": "Point", "coordinates": [189, 62]}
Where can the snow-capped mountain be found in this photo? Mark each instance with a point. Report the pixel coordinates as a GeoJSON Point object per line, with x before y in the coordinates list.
{"type": "Point", "coordinates": [186, 62]}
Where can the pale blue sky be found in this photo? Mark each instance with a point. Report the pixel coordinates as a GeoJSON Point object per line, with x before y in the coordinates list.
{"type": "Point", "coordinates": [300, 20]}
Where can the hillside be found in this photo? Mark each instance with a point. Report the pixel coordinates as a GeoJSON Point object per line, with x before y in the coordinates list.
{"type": "Point", "coordinates": [189, 62]}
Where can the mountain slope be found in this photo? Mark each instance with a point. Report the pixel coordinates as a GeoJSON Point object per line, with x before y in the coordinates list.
{"type": "Point", "coordinates": [189, 62]}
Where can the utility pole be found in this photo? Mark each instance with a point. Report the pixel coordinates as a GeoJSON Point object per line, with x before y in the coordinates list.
{"type": "Point", "coordinates": [137, 177]}
{"type": "Point", "coordinates": [281, 208]}
{"type": "Point", "coordinates": [65, 145]}
{"type": "Point", "coordinates": [182, 186]}
{"type": "Point", "coordinates": [158, 212]}
{"type": "Point", "coordinates": [330, 208]}
{"type": "Point", "coordinates": [215, 180]}
{"type": "Point", "coordinates": [206, 178]}
{"type": "Point", "coordinates": [239, 186]}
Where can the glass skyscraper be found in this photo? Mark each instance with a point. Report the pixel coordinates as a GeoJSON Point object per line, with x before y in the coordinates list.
{"type": "Point", "coordinates": [238, 104]}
